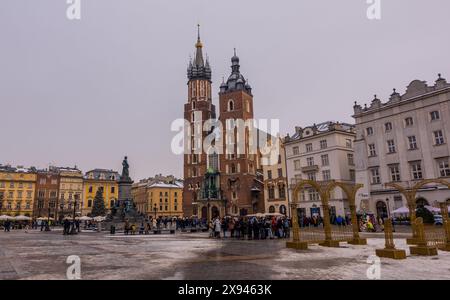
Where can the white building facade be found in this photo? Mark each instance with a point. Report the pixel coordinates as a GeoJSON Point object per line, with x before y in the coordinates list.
{"type": "Point", "coordinates": [322, 152]}
{"type": "Point", "coordinates": [404, 140]}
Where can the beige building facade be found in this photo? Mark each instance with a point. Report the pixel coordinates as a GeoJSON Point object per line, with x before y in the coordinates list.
{"type": "Point", "coordinates": [322, 152]}
{"type": "Point", "coordinates": [403, 140]}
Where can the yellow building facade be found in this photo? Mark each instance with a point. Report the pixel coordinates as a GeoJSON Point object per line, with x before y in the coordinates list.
{"type": "Point", "coordinates": [165, 200]}
{"type": "Point", "coordinates": [107, 181]}
{"type": "Point", "coordinates": [70, 192]}
{"type": "Point", "coordinates": [17, 191]}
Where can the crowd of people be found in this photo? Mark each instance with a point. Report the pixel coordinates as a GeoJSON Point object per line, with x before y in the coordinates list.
{"type": "Point", "coordinates": [247, 227]}
{"type": "Point", "coordinates": [255, 228]}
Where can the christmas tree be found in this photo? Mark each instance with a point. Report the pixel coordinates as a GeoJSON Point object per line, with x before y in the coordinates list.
{"type": "Point", "coordinates": [98, 208]}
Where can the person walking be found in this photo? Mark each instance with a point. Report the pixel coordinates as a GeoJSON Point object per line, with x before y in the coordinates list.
{"type": "Point", "coordinates": [217, 227]}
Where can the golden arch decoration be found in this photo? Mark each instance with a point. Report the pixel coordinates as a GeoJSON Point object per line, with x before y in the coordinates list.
{"type": "Point", "coordinates": [410, 195]}
{"type": "Point", "coordinates": [324, 189]}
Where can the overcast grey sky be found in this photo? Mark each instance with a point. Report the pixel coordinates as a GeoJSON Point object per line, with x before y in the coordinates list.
{"type": "Point", "coordinates": [89, 92]}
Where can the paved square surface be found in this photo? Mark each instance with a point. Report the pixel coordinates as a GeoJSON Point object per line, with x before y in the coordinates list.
{"type": "Point", "coordinates": [41, 255]}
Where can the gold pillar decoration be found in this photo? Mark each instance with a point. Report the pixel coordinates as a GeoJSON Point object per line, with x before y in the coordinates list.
{"type": "Point", "coordinates": [410, 195]}
{"type": "Point", "coordinates": [329, 242]}
{"type": "Point", "coordinates": [389, 251]}
{"type": "Point", "coordinates": [446, 224]}
{"type": "Point", "coordinates": [296, 243]}
{"type": "Point", "coordinates": [351, 190]}
{"type": "Point", "coordinates": [422, 247]}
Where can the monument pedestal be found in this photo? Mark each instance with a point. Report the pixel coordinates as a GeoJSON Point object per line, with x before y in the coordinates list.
{"type": "Point", "coordinates": [359, 241]}
{"type": "Point", "coordinates": [297, 245]}
{"type": "Point", "coordinates": [411, 241]}
{"type": "Point", "coordinates": [330, 243]}
{"type": "Point", "coordinates": [423, 250]}
{"type": "Point", "coordinates": [446, 247]}
{"type": "Point", "coordinates": [391, 253]}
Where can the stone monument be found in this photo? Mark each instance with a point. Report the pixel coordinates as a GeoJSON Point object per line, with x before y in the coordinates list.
{"type": "Point", "coordinates": [125, 184]}
{"type": "Point", "coordinates": [125, 210]}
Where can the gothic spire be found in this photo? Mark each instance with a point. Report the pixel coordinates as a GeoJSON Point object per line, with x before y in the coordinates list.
{"type": "Point", "coordinates": [199, 70]}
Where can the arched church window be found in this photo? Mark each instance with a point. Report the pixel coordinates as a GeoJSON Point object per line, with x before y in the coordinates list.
{"type": "Point", "coordinates": [230, 105]}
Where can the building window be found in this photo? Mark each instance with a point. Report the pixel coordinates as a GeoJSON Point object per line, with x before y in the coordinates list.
{"type": "Point", "coordinates": [325, 160]}
{"type": "Point", "coordinates": [233, 168]}
{"type": "Point", "coordinates": [348, 143]}
{"type": "Point", "coordinates": [175, 207]}
{"type": "Point", "coordinates": [439, 137]}
{"type": "Point", "coordinates": [372, 150]}
{"type": "Point", "coordinates": [326, 174]}
{"type": "Point", "coordinates": [41, 194]}
{"type": "Point", "coordinates": [313, 195]}
{"type": "Point", "coordinates": [309, 147]}
{"type": "Point", "coordinates": [40, 204]}
{"type": "Point", "coordinates": [398, 202]}
{"type": "Point", "coordinates": [395, 173]}
{"type": "Point", "coordinates": [391, 146]}
{"type": "Point", "coordinates": [297, 165]}
{"type": "Point", "coordinates": [444, 168]}
{"type": "Point", "coordinates": [352, 175]}
{"type": "Point", "coordinates": [160, 208]}
{"type": "Point", "coordinates": [89, 203]}
{"type": "Point", "coordinates": [282, 191]}
{"type": "Point", "coordinates": [230, 105]}
{"type": "Point", "coordinates": [388, 126]}
{"type": "Point", "coordinates": [350, 159]}
{"type": "Point", "coordinates": [296, 150]}
{"type": "Point", "coordinates": [312, 176]}
{"type": "Point", "coordinates": [113, 190]}
{"type": "Point", "coordinates": [323, 144]}
{"type": "Point", "coordinates": [90, 189]}
{"type": "Point", "coordinates": [434, 115]}
{"type": "Point", "coordinates": [42, 181]}
{"type": "Point", "coordinates": [375, 172]}
{"type": "Point", "coordinates": [369, 130]}
{"type": "Point", "coordinates": [409, 122]}
{"type": "Point", "coordinates": [280, 173]}
{"type": "Point", "coordinates": [269, 174]}
{"type": "Point", "coordinates": [271, 192]}
{"type": "Point", "coordinates": [310, 161]}
{"type": "Point", "coordinates": [412, 142]}
{"type": "Point", "coordinates": [416, 170]}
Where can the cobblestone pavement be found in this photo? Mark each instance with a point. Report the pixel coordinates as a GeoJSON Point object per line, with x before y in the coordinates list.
{"type": "Point", "coordinates": [42, 255]}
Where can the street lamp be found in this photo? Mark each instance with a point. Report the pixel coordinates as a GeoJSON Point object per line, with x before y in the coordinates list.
{"type": "Point", "coordinates": [73, 231]}
{"type": "Point", "coordinates": [48, 217]}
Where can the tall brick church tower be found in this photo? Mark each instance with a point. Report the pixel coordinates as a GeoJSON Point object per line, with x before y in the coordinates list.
{"type": "Point", "coordinates": [197, 110]}
{"type": "Point", "coordinates": [238, 172]}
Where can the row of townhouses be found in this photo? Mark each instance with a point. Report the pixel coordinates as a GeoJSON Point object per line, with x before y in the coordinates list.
{"type": "Point", "coordinates": [403, 140]}
{"type": "Point", "coordinates": [54, 192]}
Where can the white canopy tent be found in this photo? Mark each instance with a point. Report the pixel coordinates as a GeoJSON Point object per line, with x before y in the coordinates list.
{"type": "Point", "coordinates": [401, 210]}
{"type": "Point", "coordinates": [5, 217]}
{"type": "Point", "coordinates": [22, 218]}
{"type": "Point", "coordinates": [99, 219]}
